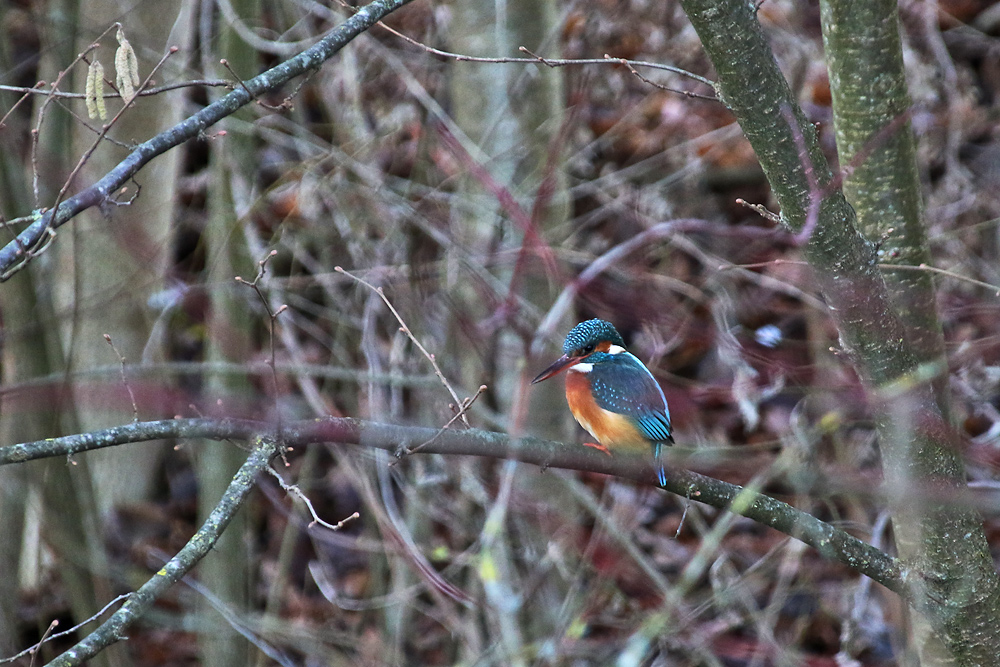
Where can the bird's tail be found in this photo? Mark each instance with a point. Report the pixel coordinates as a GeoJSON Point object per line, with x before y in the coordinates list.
{"type": "Point", "coordinates": [661, 475]}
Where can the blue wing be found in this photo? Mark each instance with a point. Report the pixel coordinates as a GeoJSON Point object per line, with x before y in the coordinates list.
{"type": "Point", "coordinates": [626, 387]}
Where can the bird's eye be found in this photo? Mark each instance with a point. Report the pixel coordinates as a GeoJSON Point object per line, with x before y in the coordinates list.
{"type": "Point", "coordinates": [588, 349]}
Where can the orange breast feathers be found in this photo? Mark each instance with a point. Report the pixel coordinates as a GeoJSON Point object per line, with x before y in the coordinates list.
{"type": "Point", "coordinates": [610, 428]}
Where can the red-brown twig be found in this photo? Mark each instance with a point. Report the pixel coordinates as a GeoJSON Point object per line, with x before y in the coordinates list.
{"type": "Point", "coordinates": [406, 330]}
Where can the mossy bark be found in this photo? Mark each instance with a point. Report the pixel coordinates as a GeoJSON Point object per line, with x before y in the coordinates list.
{"type": "Point", "coordinates": [878, 160]}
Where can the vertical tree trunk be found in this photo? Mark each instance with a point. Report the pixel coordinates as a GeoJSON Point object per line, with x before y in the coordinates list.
{"type": "Point", "coordinates": [233, 167]}
{"type": "Point", "coordinates": [538, 104]}
{"type": "Point", "coordinates": [66, 523]}
{"type": "Point", "coordinates": [515, 134]}
{"type": "Point", "coordinates": [113, 260]}
{"type": "Point", "coordinates": [878, 158]}
{"type": "Point", "coordinates": [513, 116]}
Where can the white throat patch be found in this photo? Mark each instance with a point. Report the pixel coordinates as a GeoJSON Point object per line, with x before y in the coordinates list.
{"type": "Point", "coordinates": [582, 367]}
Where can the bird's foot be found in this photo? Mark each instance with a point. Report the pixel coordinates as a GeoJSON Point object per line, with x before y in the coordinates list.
{"type": "Point", "coordinates": [598, 447]}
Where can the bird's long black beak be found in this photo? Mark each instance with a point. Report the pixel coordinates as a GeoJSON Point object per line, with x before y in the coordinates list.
{"type": "Point", "coordinates": [559, 365]}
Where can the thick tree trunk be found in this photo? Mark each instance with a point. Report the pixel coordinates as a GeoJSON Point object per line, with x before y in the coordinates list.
{"type": "Point", "coordinates": [114, 259]}
{"type": "Point", "coordinates": [878, 160]}
{"type": "Point", "coordinates": [226, 572]}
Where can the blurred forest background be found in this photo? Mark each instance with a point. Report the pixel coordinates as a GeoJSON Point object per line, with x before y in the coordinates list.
{"type": "Point", "coordinates": [473, 194]}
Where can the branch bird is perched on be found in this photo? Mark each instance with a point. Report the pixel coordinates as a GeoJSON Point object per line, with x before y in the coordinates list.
{"type": "Point", "coordinates": [610, 392]}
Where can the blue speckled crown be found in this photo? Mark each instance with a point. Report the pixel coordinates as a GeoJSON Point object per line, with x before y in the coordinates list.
{"type": "Point", "coordinates": [591, 331]}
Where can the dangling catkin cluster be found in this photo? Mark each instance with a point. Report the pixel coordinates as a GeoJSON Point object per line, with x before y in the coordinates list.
{"type": "Point", "coordinates": [94, 93]}
{"type": "Point", "coordinates": [126, 68]}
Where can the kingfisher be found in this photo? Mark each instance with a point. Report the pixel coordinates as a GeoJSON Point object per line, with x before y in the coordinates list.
{"type": "Point", "coordinates": [611, 393]}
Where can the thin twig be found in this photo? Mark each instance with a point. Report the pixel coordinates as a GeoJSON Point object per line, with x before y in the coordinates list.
{"type": "Point", "coordinates": [286, 103]}
{"type": "Point", "coordinates": [294, 490]}
{"type": "Point", "coordinates": [943, 272]}
{"type": "Point", "coordinates": [128, 387]}
{"type": "Point", "coordinates": [46, 637]}
{"type": "Point", "coordinates": [687, 506]}
{"type": "Point", "coordinates": [627, 64]}
{"type": "Point", "coordinates": [885, 267]}
{"type": "Point", "coordinates": [35, 131]}
{"type": "Point", "coordinates": [760, 210]}
{"type": "Point", "coordinates": [613, 256]}
{"type": "Point", "coordinates": [273, 316]}
{"type": "Point", "coordinates": [466, 404]}
{"type": "Point", "coordinates": [529, 223]}
{"type": "Point", "coordinates": [816, 194]}
{"type": "Point", "coordinates": [609, 59]}
{"type": "Point", "coordinates": [85, 122]}
{"type": "Point", "coordinates": [406, 330]}
{"type": "Point", "coordinates": [36, 90]}
{"type": "Point", "coordinates": [225, 63]}
{"type": "Point", "coordinates": [549, 62]}
{"type": "Point", "coordinates": [26, 94]}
